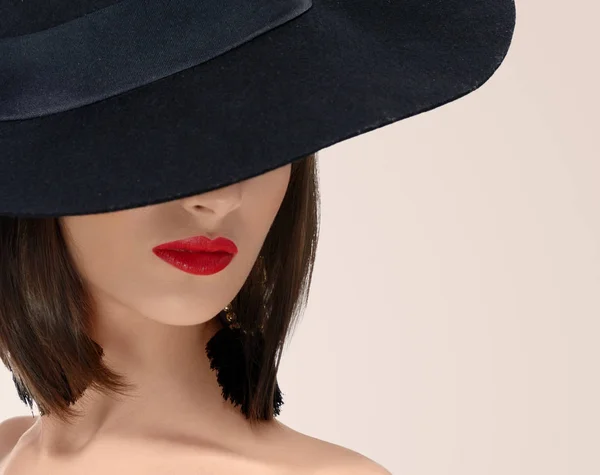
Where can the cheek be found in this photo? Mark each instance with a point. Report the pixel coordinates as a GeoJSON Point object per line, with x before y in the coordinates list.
{"type": "Point", "coordinates": [100, 251]}
{"type": "Point", "coordinates": [267, 206]}
{"type": "Point", "coordinates": [275, 188]}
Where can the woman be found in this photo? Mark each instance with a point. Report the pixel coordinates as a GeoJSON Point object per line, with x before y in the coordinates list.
{"type": "Point", "coordinates": [159, 211]}
{"type": "Point", "coordinates": [153, 321]}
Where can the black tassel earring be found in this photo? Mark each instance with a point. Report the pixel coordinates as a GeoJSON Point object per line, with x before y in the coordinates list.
{"type": "Point", "coordinates": [22, 391]}
{"type": "Point", "coordinates": [226, 352]}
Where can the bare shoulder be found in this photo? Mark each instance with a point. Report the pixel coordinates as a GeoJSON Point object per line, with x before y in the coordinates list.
{"type": "Point", "coordinates": [342, 460]}
{"type": "Point", "coordinates": [327, 458]}
{"type": "Point", "coordinates": [11, 431]}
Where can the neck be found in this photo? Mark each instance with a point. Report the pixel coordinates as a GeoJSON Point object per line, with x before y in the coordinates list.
{"type": "Point", "coordinates": [177, 397]}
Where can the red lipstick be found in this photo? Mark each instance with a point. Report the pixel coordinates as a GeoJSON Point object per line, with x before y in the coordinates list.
{"type": "Point", "coordinates": [198, 255]}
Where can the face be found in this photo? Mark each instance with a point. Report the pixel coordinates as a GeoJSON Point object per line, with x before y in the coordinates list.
{"type": "Point", "coordinates": [113, 251]}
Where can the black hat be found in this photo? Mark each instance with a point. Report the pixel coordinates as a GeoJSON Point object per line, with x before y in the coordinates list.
{"type": "Point", "coordinates": [108, 105]}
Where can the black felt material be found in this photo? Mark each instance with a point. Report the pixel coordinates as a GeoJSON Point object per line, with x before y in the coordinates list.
{"type": "Point", "coordinates": [343, 68]}
{"type": "Point", "coordinates": [124, 46]}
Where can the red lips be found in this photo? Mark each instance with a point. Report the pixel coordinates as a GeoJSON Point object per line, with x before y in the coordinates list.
{"type": "Point", "coordinates": [198, 255]}
{"type": "Point", "coordinates": [200, 244]}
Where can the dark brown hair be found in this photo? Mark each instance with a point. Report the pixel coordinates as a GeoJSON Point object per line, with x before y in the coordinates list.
{"type": "Point", "coordinates": [45, 309]}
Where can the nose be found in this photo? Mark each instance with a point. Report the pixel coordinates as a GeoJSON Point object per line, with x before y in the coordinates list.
{"type": "Point", "coordinates": [215, 203]}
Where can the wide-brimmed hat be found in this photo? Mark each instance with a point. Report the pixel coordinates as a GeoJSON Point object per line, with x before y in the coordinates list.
{"type": "Point", "coordinates": [108, 105]}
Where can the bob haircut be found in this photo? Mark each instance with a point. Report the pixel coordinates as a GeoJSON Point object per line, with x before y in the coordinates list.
{"type": "Point", "coordinates": [45, 310]}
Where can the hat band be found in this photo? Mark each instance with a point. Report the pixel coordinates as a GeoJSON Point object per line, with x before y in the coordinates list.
{"type": "Point", "coordinates": [125, 46]}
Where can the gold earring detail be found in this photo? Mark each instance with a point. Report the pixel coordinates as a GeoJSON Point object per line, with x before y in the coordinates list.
{"type": "Point", "coordinates": [231, 317]}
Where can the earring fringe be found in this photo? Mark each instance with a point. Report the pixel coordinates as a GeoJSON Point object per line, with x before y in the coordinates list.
{"type": "Point", "coordinates": [226, 353]}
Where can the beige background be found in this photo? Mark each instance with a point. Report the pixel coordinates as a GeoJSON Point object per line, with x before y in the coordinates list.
{"type": "Point", "coordinates": [463, 339]}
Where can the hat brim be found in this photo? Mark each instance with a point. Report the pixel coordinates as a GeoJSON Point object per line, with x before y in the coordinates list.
{"type": "Point", "coordinates": [339, 70]}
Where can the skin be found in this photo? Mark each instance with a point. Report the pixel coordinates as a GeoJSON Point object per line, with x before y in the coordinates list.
{"type": "Point", "coordinates": [153, 321]}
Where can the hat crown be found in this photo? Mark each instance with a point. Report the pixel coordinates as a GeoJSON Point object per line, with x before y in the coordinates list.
{"type": "Point", "coordinates": [123, 46]}
{"type": "Point", "coordinates": [31, 16]}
